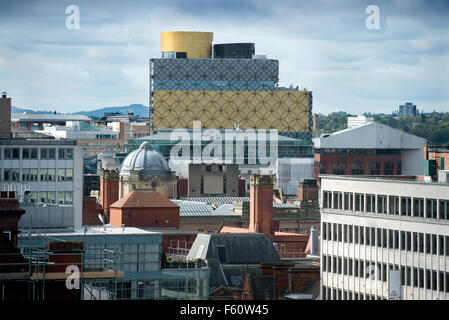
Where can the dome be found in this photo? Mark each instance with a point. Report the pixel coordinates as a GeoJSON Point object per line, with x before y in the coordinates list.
{"type": "Point", "coordinates": [146, 161]}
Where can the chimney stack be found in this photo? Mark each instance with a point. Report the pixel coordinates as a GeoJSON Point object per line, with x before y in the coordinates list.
{"type": "Point", "coordinates": [261, 204]}
{"type": "Point", "coordinates": [307, 190]}
{"type": "Point", "coordinates": [5, 117]}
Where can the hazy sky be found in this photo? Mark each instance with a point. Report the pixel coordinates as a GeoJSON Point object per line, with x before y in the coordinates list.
{"type": "Point", "coordinates": [323, 46]}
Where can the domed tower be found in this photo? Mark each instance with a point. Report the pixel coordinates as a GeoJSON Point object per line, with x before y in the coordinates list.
{"type": "Point", "coordinates": [145, 168]}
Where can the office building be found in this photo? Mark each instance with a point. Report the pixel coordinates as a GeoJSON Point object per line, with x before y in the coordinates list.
{"type": "Point", "coordinates": [47, 172]}
{"type": "Point", "coordinates": [381, 233]}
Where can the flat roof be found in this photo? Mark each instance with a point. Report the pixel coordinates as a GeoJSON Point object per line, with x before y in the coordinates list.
{"type": "Point", "coordinates": [380, 179]}
{"type": "Point", "coordinates": [48, 117]}
{"type": "Point", "coordinates": [37, 142]}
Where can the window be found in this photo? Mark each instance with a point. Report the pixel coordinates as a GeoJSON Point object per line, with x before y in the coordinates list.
{"type": "Point", "coordinates": [434, 244]}
{"type": "Point", "coordinates": [69, 174]}
{"type": "Point", "coordinates": [44, 153]}
{"type": "Point", "coordinates": [69, 197]}
{"type": "Point", "coordinates": [221, 250]}
{"type": "Point", "coordinates": [338, 167]}
{"type": "Point", "coordinates": [61, 174]}
{"type": "Point", "coordinates": [375, 168]}
{"type": "Point", "coordinates": [403, 234]}
{"type": "Point", "coordinates": [431, 207]}
{"type": "Point", "coordinates": [406, 209]}
{"type": "Point", "coordinates": [394, 205]}
{"type": "Point", "coordinates": [418, 207]}
{"type": "Point", "coordinates": [441, 245]}
{"type": "Point", "coordinates": [208, 168]}
{"type": "Point", "coordinates": [65, 154]}
{"type": "Point", "coordinates": [322, 167]}
{"type": "Point", "coordinates": [327, 197]}
{"type": "Point", "coordinates": [52, 197]}
{"type": "Point", "coordinates": [381, 204]}
{"type": "Point", "coordinates": [337, 201]}
{"type": "Point", "coordinates": [324, 232]}
{"type": "Point", "coordinates": [444, 209]}
{"type": "Point", "coordinates": [61, 197]}
{"type": "Point", "coordinates": [388, 166]}
{"type": "Point", "coordinates": [43, 174]}
{"type": "Point", "coordinates": [415, 242]}
{"type": "Point", "coordinates": [359, 202]}
{"type": "Point", "coordinates": [25, 174]}
{"type": "Point", "coordinates": [362, 235]}
{"type": "Point", "coordinates": [43, 196]}
{"type": "Point", "coordinates": [399, 166]}
{"type": "Point", "coordinates": [396, 240]}
{"type": "Point", "coordinates": [51, 175]}
{"type": "Point", "coordinates": [370, 203]}
{"type": "Point", "coordinates": [348, 201]}
{"type": "Point", "coordinates": [368, 236]}
{"type": "Point", "coordinates": [428, 244]}
{"type": "Point", "coordinates": [421, 242]}
{"type": "Point", "coordinates": [357, 167]}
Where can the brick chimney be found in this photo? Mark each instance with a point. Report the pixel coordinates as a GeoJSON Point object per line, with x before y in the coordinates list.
{"type": "Point", "coordinates": [261, 204]}
{"type": "Point", "coordinates": [5, 117]}
{"type": "Point", "coordinates": [109, 188]}
{"type": "Point", "coordinates": [307, 190]}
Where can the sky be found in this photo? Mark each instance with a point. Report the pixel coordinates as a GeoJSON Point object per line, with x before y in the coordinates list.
{"type": "Point", "coordinates": [322, 45]}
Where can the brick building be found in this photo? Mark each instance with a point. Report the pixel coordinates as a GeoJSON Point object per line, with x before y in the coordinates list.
{"type": "Point", "coordinates": [368, 149]}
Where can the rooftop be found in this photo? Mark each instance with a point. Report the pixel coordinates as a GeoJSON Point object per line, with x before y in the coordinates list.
{"type": "Point", "coordinates": [48, 117]}
{"type": "Point", "coordinates": [144, 199]}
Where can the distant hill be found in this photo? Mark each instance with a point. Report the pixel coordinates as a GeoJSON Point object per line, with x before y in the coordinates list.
{"type": "Point", "coordinates": [137, 109]}
{"type": "Point", "coordinates": [19, 110]}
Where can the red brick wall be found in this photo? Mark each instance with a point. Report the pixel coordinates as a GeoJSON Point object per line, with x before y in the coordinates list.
{"type": "Point", "coordinates": [242, 188]}
{"type": "Point", "coordinates": [145, 217]}
{"type": "Point", "coordinates": [348, 159]}
{"type": "Point", "coordinates": [299, 279]}
{"type": "Point", "coordinates": [90, 211]}
{"type": "Point", "coordinates": [182, 187]}
{"type": "Point", "coordinates": [109, 190]}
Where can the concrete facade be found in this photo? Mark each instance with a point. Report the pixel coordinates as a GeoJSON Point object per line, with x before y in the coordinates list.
{"type": "Point", "coordinates": [371, 226]}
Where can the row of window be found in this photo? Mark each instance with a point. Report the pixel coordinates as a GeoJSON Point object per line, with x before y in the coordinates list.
{"type": "Point", "coordinates": [32, 174]}
{"type": "Point", "coordinates": [60, 197]}
{"type": "Point", "coordinates": [358, 167]}
{"type": "Point", "coordinates": [339, 294]}
{"type": "Point", "coordinates": [387, 238]}
{"type": "Point", "coordinates": [32, 153]}
{"type": "Point", "coordinates": [393, 205]}
{"type": "Point", "coordinates": [410, 276]}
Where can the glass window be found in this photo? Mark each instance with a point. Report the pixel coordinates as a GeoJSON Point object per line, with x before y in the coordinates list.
{"type": "Point", "coordinates": [61, 174]}
{"type": "Point", "coordinates": [69, 174]}
{"type": "Point", "coordinates": [51, 197]}
{"type": "Point", "coordinates": [69, 154]}
{"type": "Point", "coordinates": [33, 196]}
{"type": "Point", "coordinates": [15, 153]}
{"type": "Point", "coordinates": [25, 174]}
{"type": "Point", "coordinates": [43, 174]}
{"type": "Point", "coordinates": [43, 196]}
{"type": "Point", "coordinates": [51, 154]}
{"type": "Point", "coordinates": [61, 154]}
{"type": "Point", "coordinates": [44, 154]}
{"type": "Point", "coordinates": [33, 153]}
{"type": "Point", "coordinates": [394, 205]}
{"type": "Point", "coordinates": [7, 153]}
{"type": "Point", "coordinates": [33, 174]}
{"type": "Point", "coordinates": [15, 174]}
{"type": "Point", "coordinates": [60, 197]}
{"type": "Point", "coordinates": [381, 204]}
{"type": "Point", "coordinates": [69, 197]}
{"type": "Point", "coordinates": [51, 175]}
{"type": "Point", "coordinates": [7, 174]}
{"type": "Point", "coordinates": [25, 153]}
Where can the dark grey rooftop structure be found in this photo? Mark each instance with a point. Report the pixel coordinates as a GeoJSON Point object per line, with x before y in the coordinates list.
{"type": "Point", "coordinates": [237, 248]}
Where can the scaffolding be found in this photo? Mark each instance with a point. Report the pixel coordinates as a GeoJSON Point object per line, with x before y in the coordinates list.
{"type": "Point", "coordinates": [121, 268]}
